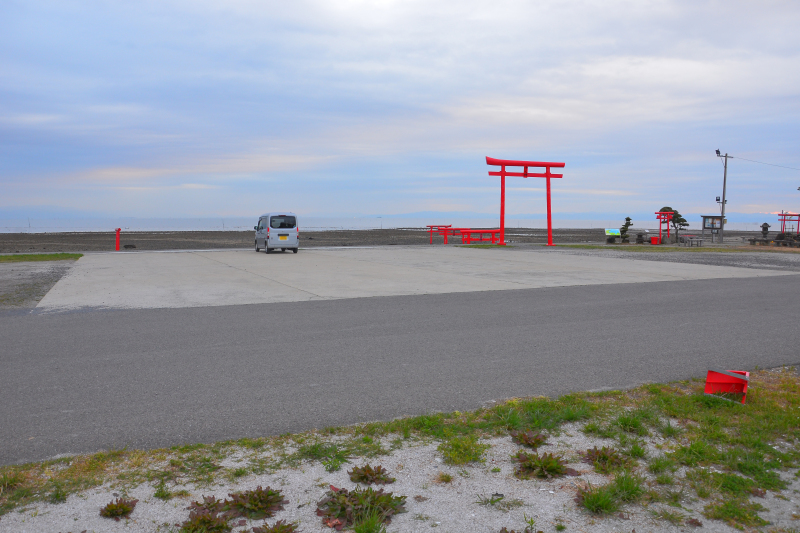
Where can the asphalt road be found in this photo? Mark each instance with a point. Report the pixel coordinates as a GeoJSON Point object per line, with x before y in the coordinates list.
{"type": "Point", "coordinates": [83, 381]}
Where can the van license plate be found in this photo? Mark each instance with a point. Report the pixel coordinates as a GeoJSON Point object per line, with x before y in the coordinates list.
{"type": "Point", "coordinates": [283, 238]}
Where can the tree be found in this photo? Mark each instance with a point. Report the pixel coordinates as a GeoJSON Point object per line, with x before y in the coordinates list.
{"type": "Point", "coordinates": [678, 222]}
{"type": "Point", "coordinates": [623, 231]}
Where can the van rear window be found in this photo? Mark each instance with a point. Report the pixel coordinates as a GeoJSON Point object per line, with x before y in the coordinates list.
{"type": "Point", "coordinates": [282, 222]}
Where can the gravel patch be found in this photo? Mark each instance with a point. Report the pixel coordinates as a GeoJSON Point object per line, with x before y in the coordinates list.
{"type": "Point", "coordinates": [758, 260]}
{"type": "Point", "coordinates": [24, 284]}
{"type": "Point", "coordinates": [448, 507]}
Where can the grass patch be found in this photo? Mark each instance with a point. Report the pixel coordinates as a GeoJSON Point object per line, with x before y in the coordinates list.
{"type": "Point", "coordinates": [598, 500]}
{"type": "Point", "coordinates": [19, 258]}
{"type": "Point", "coordinates": [628, 487]}
{"type": "Point", "coordinates": [736, 512]}
{"type": "Point", "coordinates": [461, 450]}
{"type": "Point", "coordinates": [661, 464]}
{"type": "Point", "coordinates": [676, 518]}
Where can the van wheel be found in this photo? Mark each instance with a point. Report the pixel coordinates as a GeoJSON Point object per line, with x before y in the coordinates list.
{"type": "Point", "coordinates": [294, 250]}
{"type": "Point", "coordinates": [268, 250]}
{"type": "Point", "coordinates": [257, 248]}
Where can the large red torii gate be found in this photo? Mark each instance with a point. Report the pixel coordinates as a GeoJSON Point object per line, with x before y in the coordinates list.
{"type": "Point", "coordinates": [503, 163]}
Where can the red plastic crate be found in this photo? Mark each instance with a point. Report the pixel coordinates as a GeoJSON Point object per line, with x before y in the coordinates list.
{"type": "Point", "coordinates": [730, 381]}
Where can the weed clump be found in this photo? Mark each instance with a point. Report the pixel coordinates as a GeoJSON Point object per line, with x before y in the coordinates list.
{"type": "Point", "coordinates": [444, 477]}
{"type": "Point", "coordinates": [10, 480]}
{"type": "Point", "coordinates": [278, 527]}
{"type": "Point", "coordinates": [605, 460]}
{"type": "Point", "coordinates": [529, 438]}
{"type": "Point", "coordinates": [461, 450]}
{"type": "Point", "coordinates": [369, 475]}
{"type": "Point", "coordinates": [341, 508]}
{"type": "Point", "coordinates": [205, 521]}
{"type": "Point", "coordinates": [544, 466]}
{"type": "Point", "coordinates": [162, 492]}
{"type": "Point", "coordinates": [499, 502]}
{"type": "Point", "coordinates": [254, 504]}
{"type": "Point", "coordinates": [206, 517]}
{"type": "Point", "coordinates": [212, 515]}
{"type": "Point", "coordinates": [119, 508]}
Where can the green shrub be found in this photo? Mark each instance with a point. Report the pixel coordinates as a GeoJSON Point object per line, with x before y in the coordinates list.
{"type": "Point", "coordinates": [119, 508]}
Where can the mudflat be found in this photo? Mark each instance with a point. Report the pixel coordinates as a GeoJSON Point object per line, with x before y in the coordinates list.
{"type": "Point", "coordinates": [205, 240]}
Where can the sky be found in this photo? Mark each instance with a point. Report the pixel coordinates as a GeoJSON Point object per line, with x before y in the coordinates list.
{"type": "Point", "coordinates": [356, 107]}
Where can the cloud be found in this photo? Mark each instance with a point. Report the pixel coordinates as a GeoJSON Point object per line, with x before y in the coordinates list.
{"type": "Point", "coordinates": [342, 103]}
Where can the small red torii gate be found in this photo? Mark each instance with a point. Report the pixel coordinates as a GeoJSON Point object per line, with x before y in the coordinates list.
{"type": "Point", "coordinates": [503, 163]}
{"type": "Point", "coordinates": [789, 217]}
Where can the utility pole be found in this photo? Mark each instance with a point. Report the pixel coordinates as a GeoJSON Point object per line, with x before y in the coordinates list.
{"type": "Point", "coordinates": [724, 183]}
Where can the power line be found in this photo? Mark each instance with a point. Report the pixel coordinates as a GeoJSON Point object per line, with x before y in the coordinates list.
{"type": "Point", "coordinates": [761, 162]}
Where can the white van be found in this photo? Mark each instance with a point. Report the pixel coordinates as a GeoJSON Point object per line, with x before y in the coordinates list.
{"type": "Point", "coordinates": [277, 230]}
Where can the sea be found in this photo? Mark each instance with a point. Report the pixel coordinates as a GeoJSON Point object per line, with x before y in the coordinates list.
{"type": "Point", "coordinates": [311, 223]}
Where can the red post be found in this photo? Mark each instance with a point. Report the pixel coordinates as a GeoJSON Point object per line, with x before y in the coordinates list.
{"type": "Point", "coordinates": [549, 215]}
{"type": "Point", "coordinates": [502, 208]}
{"type": "Point", "coordinates": [118, 230]}
{"type": "Point", "coordinates": [503, 163]}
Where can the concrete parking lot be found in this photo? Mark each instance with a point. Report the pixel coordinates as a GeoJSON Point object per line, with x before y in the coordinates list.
{"type": "Point", "coordinates": [212, 278]}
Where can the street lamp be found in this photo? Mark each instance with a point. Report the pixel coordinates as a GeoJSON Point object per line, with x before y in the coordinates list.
{"type": "Point", "coordinates": [724, 184]}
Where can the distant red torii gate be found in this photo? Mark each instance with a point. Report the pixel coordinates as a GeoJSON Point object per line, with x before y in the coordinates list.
{"type": "Point", "coordinates": [503, 163]}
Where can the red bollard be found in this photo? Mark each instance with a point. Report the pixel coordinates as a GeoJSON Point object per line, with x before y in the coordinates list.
{"type": "Point", "coordinates": [118, 230]}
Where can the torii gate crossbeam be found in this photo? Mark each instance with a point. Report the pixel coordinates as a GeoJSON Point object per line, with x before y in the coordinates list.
{"type": "Point", "coordinates": [503, 163]}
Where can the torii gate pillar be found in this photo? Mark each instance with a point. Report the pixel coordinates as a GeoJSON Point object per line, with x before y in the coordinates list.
{"type": "Point", "coordinates": [503, 163]}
